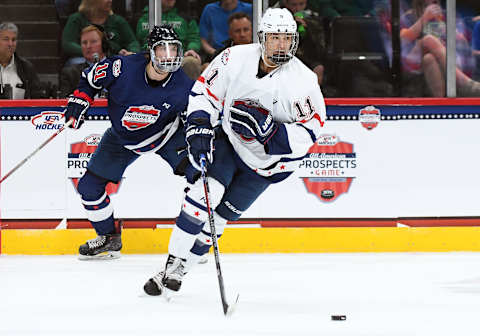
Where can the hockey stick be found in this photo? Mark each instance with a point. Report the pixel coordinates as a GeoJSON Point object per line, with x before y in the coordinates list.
{"type": "Point", "coordinates": [227, 309]}
{"type": "Point", "coordinates": [21, 163]}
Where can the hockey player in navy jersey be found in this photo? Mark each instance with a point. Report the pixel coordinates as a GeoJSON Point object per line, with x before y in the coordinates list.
{"type": "Point", "coordinates": [270, 110]}
{"type": "Point", "coordinates": [147, 93]}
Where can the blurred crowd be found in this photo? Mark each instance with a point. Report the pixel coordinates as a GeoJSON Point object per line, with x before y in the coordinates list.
{"type": "Point", "coordinates": [348, 44]}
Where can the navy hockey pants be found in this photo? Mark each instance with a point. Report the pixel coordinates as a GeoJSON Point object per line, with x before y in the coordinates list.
{"type": "Point", "coordinates": [108, 164]}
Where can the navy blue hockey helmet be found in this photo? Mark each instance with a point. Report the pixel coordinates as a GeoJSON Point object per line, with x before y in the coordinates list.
{"type": "Point", "coordinates": [163, 37]}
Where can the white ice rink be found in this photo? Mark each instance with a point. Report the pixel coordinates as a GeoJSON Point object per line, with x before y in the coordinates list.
{"type": "Point", "coordinates": [280, 294]}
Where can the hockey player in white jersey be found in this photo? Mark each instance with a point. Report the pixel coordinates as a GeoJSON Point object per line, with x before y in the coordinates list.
{"type": "Point", "coordinates": [261, 109]}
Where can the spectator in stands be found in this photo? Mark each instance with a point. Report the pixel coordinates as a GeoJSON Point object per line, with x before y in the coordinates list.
{"type": "Point", "coordinates": [186, 29]}
{"type": "Point", "coordinates": [121, 38]}
{"type": "Point", "coordinates": [311, 49]}
{"type": "Point", "coordinates": [240, 32]}
{"type": "Point", "coordinates": [435, 64]}
{"type": "Point", "coordinates": [214, 23]}
{"type": "Point", "coordinates": [423, 36]}
{"type": "Point", "coordinates": [476, 49]}
{"type": "Point", "coordinates": [18, 78]}
{"type": "Point", "coordinates": [94, 48]}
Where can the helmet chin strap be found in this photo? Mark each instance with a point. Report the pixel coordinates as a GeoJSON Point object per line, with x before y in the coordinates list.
{"type": "Point", "coordinates": [266, 63]}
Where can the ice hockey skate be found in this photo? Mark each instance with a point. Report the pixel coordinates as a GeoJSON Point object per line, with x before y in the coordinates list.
{"type": "Point", "coordinates": [174, 272]}
{"type": "Point", "coordinates": [102, 247]}
{"type": "Point", "coordinates": [168, 280]}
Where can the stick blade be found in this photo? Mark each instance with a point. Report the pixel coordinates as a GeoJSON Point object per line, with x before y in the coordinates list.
{"type": "Point", "coordinates": [230, 309]}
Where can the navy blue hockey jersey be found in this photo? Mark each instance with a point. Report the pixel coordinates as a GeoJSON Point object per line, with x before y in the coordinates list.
{"type": "Point", "coordinates": [144, 117]}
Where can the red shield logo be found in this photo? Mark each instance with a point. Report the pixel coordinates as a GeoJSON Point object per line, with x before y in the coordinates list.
{"type": "Point", "coordinates": [369, 117]}
{"type": "Point", "coordinates": [332, 169]}
{"type": "Point", "coordinates": [138, 117]}
{"type": "Point", "coordinates": [85, 148]}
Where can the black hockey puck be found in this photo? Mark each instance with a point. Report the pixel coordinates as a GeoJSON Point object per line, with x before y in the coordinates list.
{"type": "Point", "coordinates": [339, 317]}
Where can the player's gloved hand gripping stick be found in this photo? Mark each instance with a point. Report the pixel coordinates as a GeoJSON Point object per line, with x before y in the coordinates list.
{"type": "Point", "coordinates": [76, 109]}
{"type": "Point", "coordinates": [227, 309]}
{"type": "Point", "coordinates": [199, 136]}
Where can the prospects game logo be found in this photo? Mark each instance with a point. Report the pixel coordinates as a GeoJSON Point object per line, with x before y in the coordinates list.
{"type": "Point", "coordinates": [138, 117]}
{"type": "Point", "coordinates": [48, 120]}
{"type": "Point", "coordinates": [369, 117]}
{"type": "Point", "coordinates": [78, 157]}
{"type": "Point", "coordinates": [329, 168]}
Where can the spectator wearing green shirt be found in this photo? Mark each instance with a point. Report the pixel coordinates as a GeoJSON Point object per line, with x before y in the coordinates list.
{"type": "Point", "coordinates": [120, 36]}
{"type": "Point", "coordinates": [187, 31]}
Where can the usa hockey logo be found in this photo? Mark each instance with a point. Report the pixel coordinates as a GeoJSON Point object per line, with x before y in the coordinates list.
{"type": "Point", "coordinates": [369, 117]}
{"type": "Point", "coordinates": [329, 168]}
{"type": "Point", "coordinates": [138, 117]}
{"type": "Point", "coordinates": [78, 158]}
{"type": "Point", "coordinates": [48, 120]}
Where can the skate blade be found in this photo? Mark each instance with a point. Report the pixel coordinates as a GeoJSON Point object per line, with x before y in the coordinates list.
{"type": "Point", "coordinates": [166, 296]}
{"type": "Point", "coordinates": [203, 260]}
{"type": "Point", "coordinates": [231, 308]}
{"type": "Point", "coordinates": [102, 256]}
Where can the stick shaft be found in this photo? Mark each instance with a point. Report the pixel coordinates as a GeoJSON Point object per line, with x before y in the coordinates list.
{"type": "Point", "coordinates": [213, 233]}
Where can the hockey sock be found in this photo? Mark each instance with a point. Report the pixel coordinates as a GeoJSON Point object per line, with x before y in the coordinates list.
{"type": "Point", "coordinates": [100, 214]}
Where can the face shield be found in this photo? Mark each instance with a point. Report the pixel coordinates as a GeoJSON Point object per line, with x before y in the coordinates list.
{"type": "Point", "coordinates": [167, 56]}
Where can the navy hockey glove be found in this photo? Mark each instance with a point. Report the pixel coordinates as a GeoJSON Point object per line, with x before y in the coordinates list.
{"type": "Point", "coordinates": [252, 121]}
{"type": "Point", "coordinates": [76, 108]}
{"type": "Point", "coordinates": [199, 136]}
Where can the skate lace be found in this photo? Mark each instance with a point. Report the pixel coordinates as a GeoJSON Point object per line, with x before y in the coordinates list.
{"type": "Point", "coordinates": [176, 269]}
{"type": "Point", "coordinates": [96, 242]}
{"type": "Point", "coordinates": [158, 278]}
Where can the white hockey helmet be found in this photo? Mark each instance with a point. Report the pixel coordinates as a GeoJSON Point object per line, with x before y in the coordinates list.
{"type": "Point", "coordinates": [278, 20]}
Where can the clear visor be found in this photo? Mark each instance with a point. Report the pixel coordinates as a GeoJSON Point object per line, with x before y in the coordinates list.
{"type": "Point", "coordinates": [278, 48]}
{"type": "Point", "coordinates": [167, 56]}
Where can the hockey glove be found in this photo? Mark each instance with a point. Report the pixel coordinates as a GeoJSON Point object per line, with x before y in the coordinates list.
{"type": "Point", "coordinates": [252, 122]}
{"type": "Point", "coordinates": [199, 136]}
{"type": "Point", "coordinates": [76, 109]}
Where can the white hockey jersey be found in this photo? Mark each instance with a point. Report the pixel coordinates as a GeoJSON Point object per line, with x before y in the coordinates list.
{"type": "Point", "coordinates": [291, 92]}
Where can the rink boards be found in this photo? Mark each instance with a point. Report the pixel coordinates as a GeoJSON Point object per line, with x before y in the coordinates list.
{"type": "Point", "coordinates": [387, 175]}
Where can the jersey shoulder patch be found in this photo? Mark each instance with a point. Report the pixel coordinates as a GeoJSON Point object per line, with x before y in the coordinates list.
{"type": "Point", "coordinates": [116, 67]}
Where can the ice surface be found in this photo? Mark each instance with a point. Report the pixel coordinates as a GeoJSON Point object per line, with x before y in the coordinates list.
{"type": "Point", "coordinates": [280, 294]}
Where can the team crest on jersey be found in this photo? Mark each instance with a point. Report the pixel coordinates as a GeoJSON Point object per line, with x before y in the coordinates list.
{"type": "Point", "coordinates": [116, 67]}
{"type": "Point", "coordinates": [78, 158]}
{"type": "Point", "coordinates": [369, 117]}
{"type": "Point", "coordinates": [329, 168]}
{"type": "Point", "coordinates": [138, 117]}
